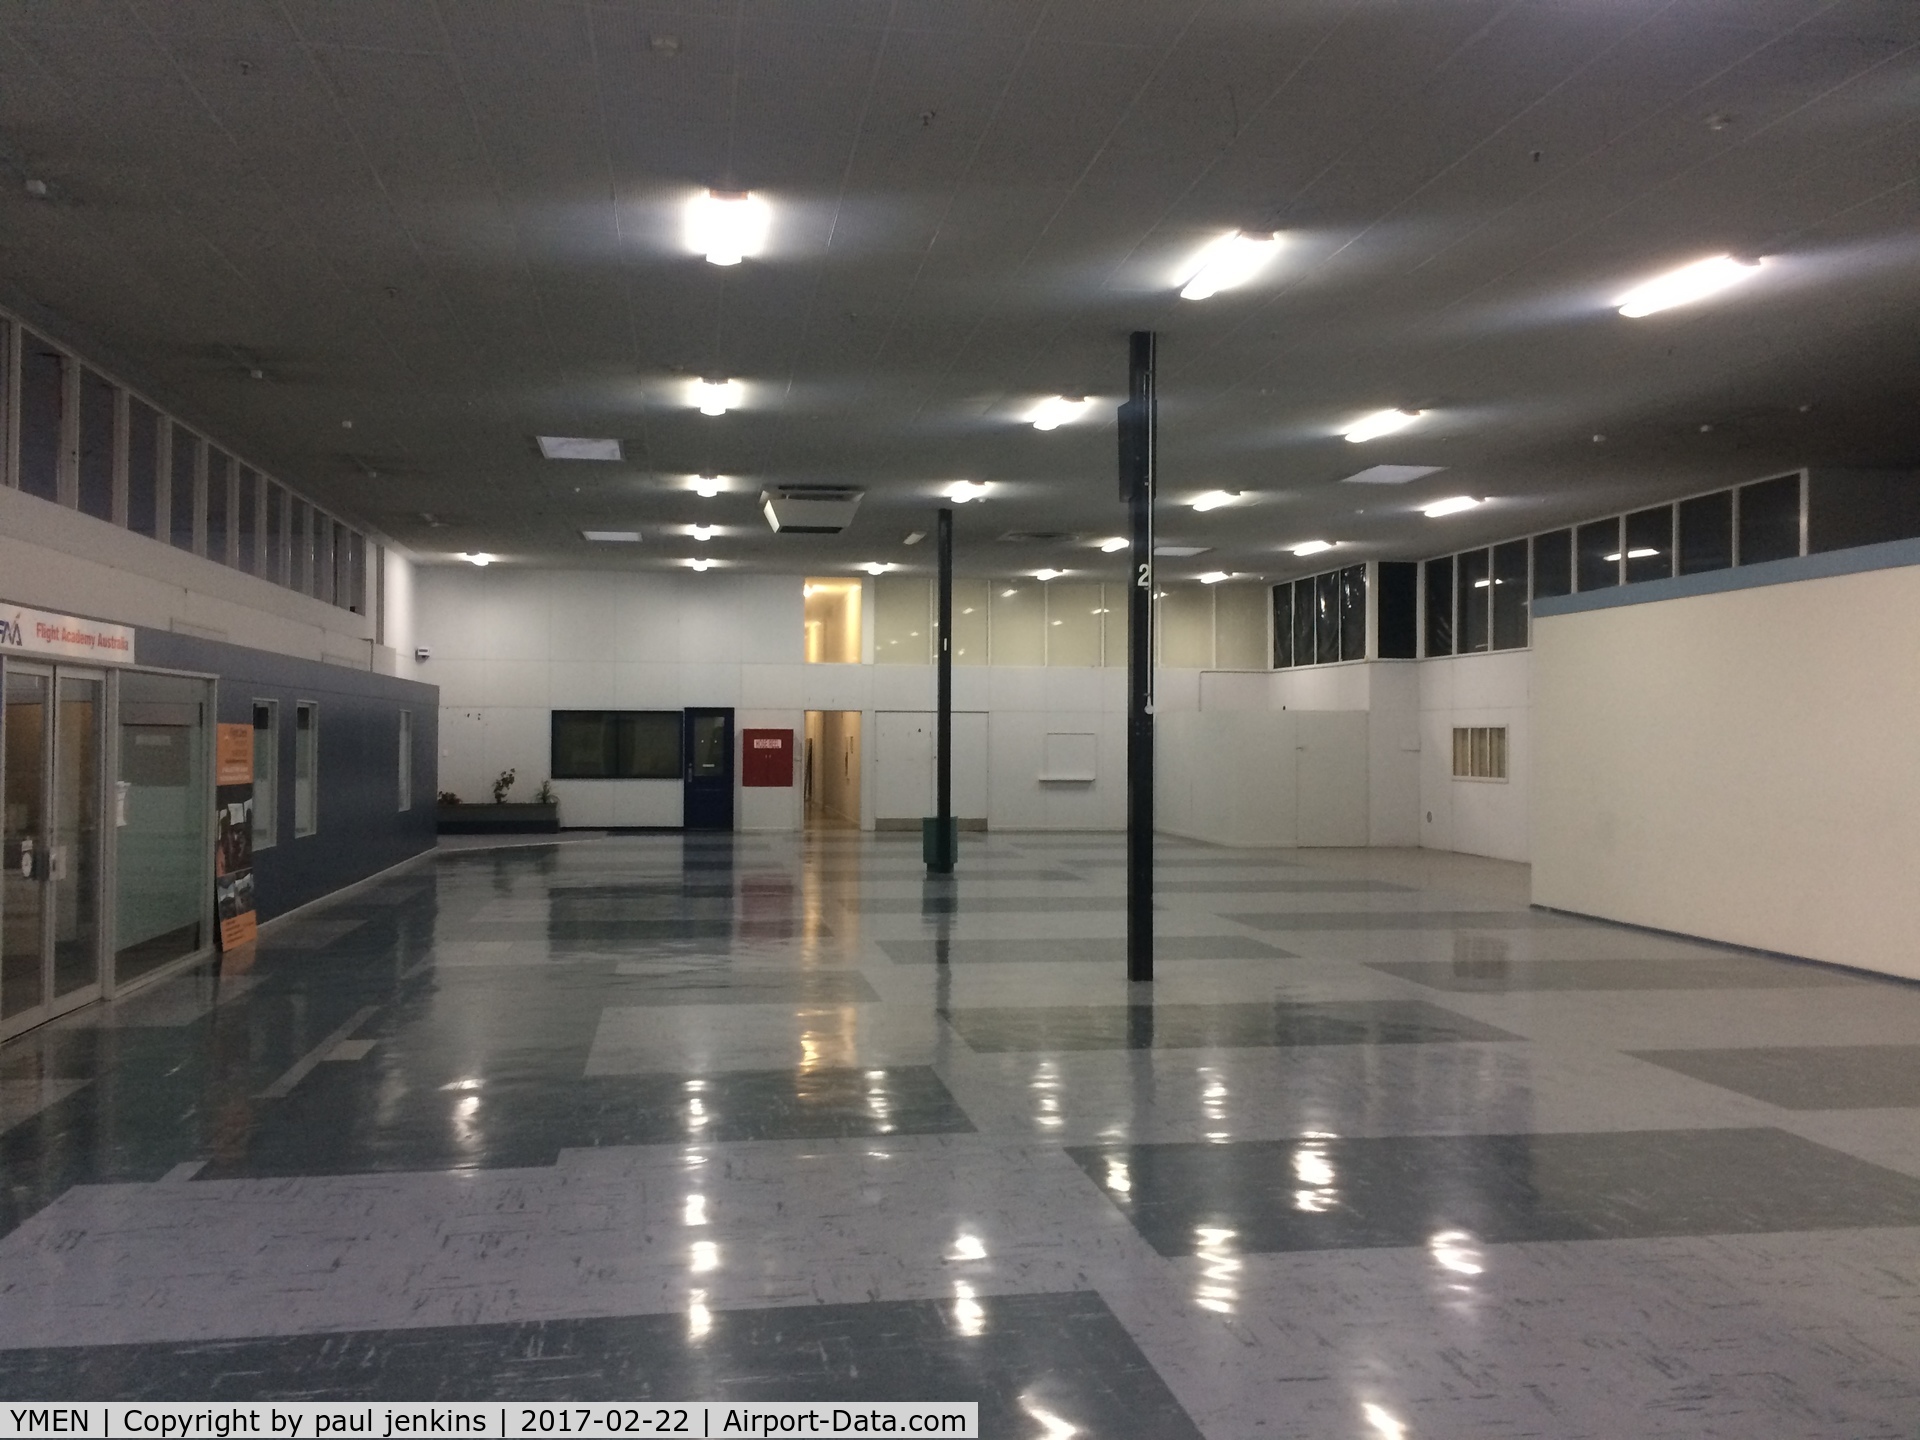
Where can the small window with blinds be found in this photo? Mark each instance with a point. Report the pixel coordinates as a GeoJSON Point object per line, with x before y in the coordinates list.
{"type": "Point", "coordinates": [1480, 752]}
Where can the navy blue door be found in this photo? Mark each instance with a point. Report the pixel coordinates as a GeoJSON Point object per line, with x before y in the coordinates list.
{"type": "Point", "coordinates": [708, 803]}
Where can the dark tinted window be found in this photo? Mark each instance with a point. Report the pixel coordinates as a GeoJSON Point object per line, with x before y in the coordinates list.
{"type": "Point", "coordinates": [1861, 507]}
{"type": "Point", "coordinates": [1472, 584]}
{"type": "Point", "coordinates": [246, 521]}
{"type": "Point", "coordinates": [182, 469]}
{"type": "Point", "coordinates": [143, 468]}
{"type": "Point", "coordinates": [1353, 613]}
{"type": "Point", "coordinates": [98, 399]}
{"type": "Point", "coordinates": [1706, 533]}
{"type": "Point", "coordinates": [1510, 595]}
{"type": "Point", "coordinates": [1282, 626]}
{"type": "Point", "coordinates": [42, 405]}
{"type": "Point", "coordinates": [1399, 610]}
{"type": "Point", "coordinates": [1770, 520]}
{"type": "Point", "coordinates": [1599, 554]}
{"type": "Point", "coordinates": [275, 566]}
{"type": "Point", "coordinates": [1650, 544]}
{"type": "Point", "coordinates": [1440, 606]}
{"type": "Point", "coordinates": [1552, 564]}
{"type": "Point", "coordinates": [616, 745]}
{"type": "Point", "coordinates": [1303, 622]}
{"type": "Point", "coordinates": [219, 503]}
{"type": "Point", "coordinates": [1326, 616]}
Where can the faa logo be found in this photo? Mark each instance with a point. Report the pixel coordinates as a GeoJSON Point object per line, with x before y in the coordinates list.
{"type": "Point", "coordinates": [10, 632]}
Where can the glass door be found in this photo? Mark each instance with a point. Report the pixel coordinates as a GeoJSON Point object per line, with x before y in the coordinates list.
{"type": "Point", "coordinates": [163, 809]}
{"type": "Point", "coordinates": [52, 847]}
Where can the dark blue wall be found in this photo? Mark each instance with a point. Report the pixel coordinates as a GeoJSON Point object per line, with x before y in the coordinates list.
{"type": "Point", "coordinates": [361, 828]}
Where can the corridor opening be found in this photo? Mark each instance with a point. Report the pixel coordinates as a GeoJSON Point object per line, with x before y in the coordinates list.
{"type": "Point", "coordinates": [832, 771]}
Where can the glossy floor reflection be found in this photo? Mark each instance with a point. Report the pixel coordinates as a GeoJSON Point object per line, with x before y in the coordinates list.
{"type": "Point", "coordinates": [780, 1117]}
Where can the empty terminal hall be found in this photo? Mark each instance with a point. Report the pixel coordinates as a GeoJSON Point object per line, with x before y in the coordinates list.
{"type": "Point", "coordinates": [1054, 720]}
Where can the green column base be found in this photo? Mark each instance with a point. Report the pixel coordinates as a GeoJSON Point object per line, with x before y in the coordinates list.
{"type": "Point", "coordinates": [939, 844]}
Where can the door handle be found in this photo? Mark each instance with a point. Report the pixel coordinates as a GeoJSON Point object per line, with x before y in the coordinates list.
{"type": "Point", "coordinates": [26, 859]}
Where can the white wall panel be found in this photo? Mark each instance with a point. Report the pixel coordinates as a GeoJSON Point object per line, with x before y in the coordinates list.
{"type": "Point", "coordinates": [1476, 817]}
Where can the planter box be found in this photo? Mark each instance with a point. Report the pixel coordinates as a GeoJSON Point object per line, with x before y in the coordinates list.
{"type": "Point", "coordinates": [486, 819]}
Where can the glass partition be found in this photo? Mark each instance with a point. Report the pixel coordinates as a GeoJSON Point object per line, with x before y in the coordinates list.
{"type": "Point", "coordinates": [162, 811]}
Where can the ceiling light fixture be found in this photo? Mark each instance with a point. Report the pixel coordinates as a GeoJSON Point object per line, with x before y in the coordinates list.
{"type": "Point", "coordinates": [1391, 474]}
{"type": "Point", "coordinates": [1382, 422]}
{"type": "Point", "coordinates": [700, 532]}
{"type": "Point", "coordinates": [876, 567]}
{"type": "Point", "coordinates": [1057, 410]}
{"type": "Point", "coordinates": [1453, 505]}
{"type": "Point", "coordinates": [961, 491]}
{"type": "Point", "coordinates": [1640, 554]}
{"type": "Point", "coordinates": [914, 537]}
{"type": "Point", "coordinates": [1048, 574]}
{"type": "Point", "coordinates": [726, 226]}
{"type": "Point", "coordinates": [612, 537]}
{"type": "Point", "coordinates": [1312, 547]}
{"type": "Point", "coordinates": [1009, 592]}
{"type": "Point", "coordinates": [708, 486]}
{"type": "Point", "coordinates": [1687, 284]}
{"type": "Point", "coordinates": [1214, 499]}
{"type": "Point", "coordinates": [715, 396]}
{"type": "Point", "coordinates": [1214, 577]}
{"type": "Point", "coordinates": [1230, 261]}
{"type": "Point", "coordinates": [577, 447]}
{"type": "Point", "coordinates": [1117, 543]}
{"type": "Point", "coordinates": [699, 564]}
{"type": "Point", "coordinates": [477, 558]}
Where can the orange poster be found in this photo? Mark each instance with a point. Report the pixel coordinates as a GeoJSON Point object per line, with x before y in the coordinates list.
{"type": "Point", "coordinates": [233, 755]}
{"type": "Point", "coordinates": [233, 855]}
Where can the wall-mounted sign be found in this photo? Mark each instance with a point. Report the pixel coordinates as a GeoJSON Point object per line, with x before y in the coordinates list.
{"type": "Point", "coordinates": [40, 632]}
{"type": "Point", "coordinates": [233, 843]}
{"type": "Point", "coordinates": [766, 758]}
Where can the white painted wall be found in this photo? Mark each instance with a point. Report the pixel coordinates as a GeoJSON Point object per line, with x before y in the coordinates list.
{"type": "Point", "coordinates": [394, 656]}
{"type": "Point", "coordinates": [54, 558]}
{"type": "Point", "coordinates": [1740, 766]}
{"type": "Point", "coordinates": [1250, 777]}
{"type": "Point", "coordinates": [1476, 817]}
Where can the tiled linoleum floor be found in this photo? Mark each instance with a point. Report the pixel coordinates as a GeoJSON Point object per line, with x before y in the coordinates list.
{"type": "Point", "coordinates": [1381, 1154]}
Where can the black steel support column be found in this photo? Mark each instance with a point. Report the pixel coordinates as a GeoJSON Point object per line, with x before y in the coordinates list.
{"type": "Point", "coordinates": [1138, 424]}
{"type": "Point", "coordinates": [943, 732]}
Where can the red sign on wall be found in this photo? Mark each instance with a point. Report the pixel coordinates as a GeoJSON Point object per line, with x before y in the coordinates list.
{"type": "Point", "coordinates": [766, 758]}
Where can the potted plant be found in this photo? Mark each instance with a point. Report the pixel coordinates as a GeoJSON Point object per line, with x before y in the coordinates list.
{"type": "Point", "coordinates": [539, 816]}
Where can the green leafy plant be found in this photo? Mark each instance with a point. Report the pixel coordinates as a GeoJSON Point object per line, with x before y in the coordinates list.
{"type": "Point", "coordinates": [447, 797]}
{"type": "Point", "coordinates": [544, 795]}
{"type": "Point", "coordinates": [502, 785]}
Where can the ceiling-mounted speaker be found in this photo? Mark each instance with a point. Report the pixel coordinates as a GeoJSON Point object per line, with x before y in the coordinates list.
{"type": "Point", "coordinates": [809, 509]}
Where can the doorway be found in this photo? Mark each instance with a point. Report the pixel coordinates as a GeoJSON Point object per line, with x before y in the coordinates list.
{"type": "Point", "coordinates": [831, 777]}
{"type": "Point", "coordinates": [52, 843]}
{"type": "Point", "coordinates": [708, 792]}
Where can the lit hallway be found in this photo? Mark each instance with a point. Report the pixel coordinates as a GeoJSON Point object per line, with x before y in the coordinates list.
{"type": "Point", "coordinates": [779, 1117]}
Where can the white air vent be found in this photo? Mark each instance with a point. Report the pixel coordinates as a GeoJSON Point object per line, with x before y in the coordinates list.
{"type": "Point", "coordinates": [809, 509]}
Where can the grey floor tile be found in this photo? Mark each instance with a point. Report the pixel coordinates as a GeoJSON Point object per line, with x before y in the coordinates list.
{"type": "Point", "coordinates": [1807, 1077]}
{"type": "Point", "coordinates": [1230, 1026]}
{"type": "Point", "coordinates": [1499, 976]}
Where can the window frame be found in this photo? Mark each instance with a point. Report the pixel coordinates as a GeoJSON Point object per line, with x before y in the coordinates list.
{"type": "Point", "coordinates": [404, 761]}
{"type": "Point", "coordinates": [306, 788]}
{"type": "Point", "coordinates": [266, 792]}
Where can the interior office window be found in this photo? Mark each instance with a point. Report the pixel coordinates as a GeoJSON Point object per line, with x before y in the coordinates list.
{"type": "Point", "coordinates": [346, 569]}
{"type": "Point", "coordinates": [219, 504]}
{"type": "Point", "coordinates": [43, 404]}
{"type": "Point", "coordinates": [1846, 508]}
{"type": "Point", "coordinates": [266, 773]}
{"type": "Point", "coordinates": [274, 563]}
{"type": "Point", "coordinates": [306, 768]}
{"type": "Point", "coordinates": [99, 399]}
{"type": "Point", "coordinates": [1552, 564]}
{"type": "Point", "coordinates": [143, 468]}
{"type": "Point", "coordinates": [1597, 548]}
{"type": "Point", "coordinates": [1510, 595]}
{"type": "Point", "coordinates": [300, 563]}
{"type": "Point", "coordinates": [246, 521]}
{"type": "Point", "coordinates": [1397, 610]}
{"type": "Point", "coordinates": [1769, 520]}
{"type": "Point", "coordinates": [183, 482]}
{"type": "Point", "coordinates": [903, 620]}
{"type": "Point", "coordinates": [830, 609]}
{"type": "Point", "coordinates": [1303, 627]}
{"type": "Point", "coordinates": [616, 745]}
{"type": "Point", "coordinates": [1650, 544]}
{"type": "Point", "coordinates": [406, 760]}
{"type": "Point", "coordinates": [1282, 627]}
{"type": "Point", "coordinates": [1439, 597]}
{"type": "Point", "coordinates": [1473, 586]}
{"type": "Point", "coordinates": [1326, 616]}
{"type": "Point", "coordinates": [1706, 533]}
{"type": "Point", "coordinates": [1353, 613]}
{"type": "Point", "coordinates": [1480, 752]}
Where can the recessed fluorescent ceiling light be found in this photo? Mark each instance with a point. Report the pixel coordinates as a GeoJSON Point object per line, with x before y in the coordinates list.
{"type": "Point", "coordinates": [708, 486]}
{"type": "Point", "coordinates": [1312, 547]}
{"type": "Point", "coordinates": [699, 532]}
{"type": "Point", "coordinates": [612, 537]}
{"type": "Point", "coordinates": [715, 396]}
{"type": "Point", "coordinates": [1214, 577]}
{"type": "Point", "coordinates": [914, 537]}
{"type": "Point", "coordinates": [1181, 552]}
{"type": "Point", "coordinates": [1631, 555]}
{"type": "Point", "coordinates": [1453, 505]}
{"type": "Point", "coordinates": [961, 491]}
{"type": "Point", "coordinates": [876, 567]}
{"type": "Point", "coordinates": [1391, 474]}
{"type": "Point", "coordinates": [577, 447]}
{"type": "Point", "coordinates": [1229, 261]}
{"type": "Point", "coordinates": [1686, 285]}
{"type": "Point", "coordinates": [1382, 422]}
{"type": "Point", "coordinates": [1214, 499]}
{"type": "Point", "coordinates": [1048, 574]}
{"type": "Point", "coordinates": [726, 225]}
{"type": "Point", "coordinates": [1118, 542]}
{"type": "Point", "coordinates": [477, 558]}
{"type": "Point", "coordinates": [1057, 410]}
{"type": "Point", "coordinates": [699, 564]}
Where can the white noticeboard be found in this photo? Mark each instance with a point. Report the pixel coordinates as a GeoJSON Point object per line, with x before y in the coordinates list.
{"type": "Point", "coordinates": [1070, 757]}
{"type": "Point", "coordinates": [40, 632]}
